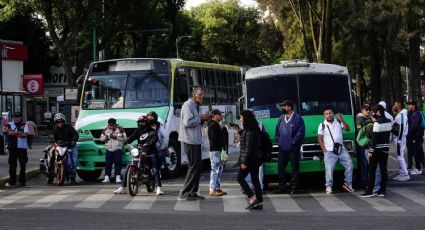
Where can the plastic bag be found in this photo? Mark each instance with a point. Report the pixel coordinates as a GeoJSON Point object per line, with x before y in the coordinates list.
{"type": "Point", "coordinates": [224, 156]}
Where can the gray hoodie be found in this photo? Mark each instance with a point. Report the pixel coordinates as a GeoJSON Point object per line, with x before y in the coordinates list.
{"type": "Point", "coordinates": [190, 124]}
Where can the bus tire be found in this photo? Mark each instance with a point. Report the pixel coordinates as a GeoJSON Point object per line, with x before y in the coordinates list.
{"type": "Point", "coordinates": [89, 175]}
{"type": "Point", "coordinates": [172, 162]}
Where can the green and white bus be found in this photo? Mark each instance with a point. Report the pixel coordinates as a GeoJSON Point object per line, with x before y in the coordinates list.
{"type": "Point", "coordinates": [125, 89]}
{"type": "Point", "coordinates": [311, 86]}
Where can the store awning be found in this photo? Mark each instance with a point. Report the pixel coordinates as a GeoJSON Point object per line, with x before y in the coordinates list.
{"type": "Point", "coordinates": [13, 92]}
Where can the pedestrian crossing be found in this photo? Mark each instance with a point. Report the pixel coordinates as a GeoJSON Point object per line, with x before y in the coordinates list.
{"type": "Point", "coordinates": [398, 200]}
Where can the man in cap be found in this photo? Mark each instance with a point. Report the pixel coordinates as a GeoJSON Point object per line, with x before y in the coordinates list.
{"type": "Point", "coordinates": [290, 132]}
{"type": "Point", "coordinates": [216, 139]}
{"type": "Point", "coordinates": [114, 137]}
{"type": "Point", "coordinates": [17, 132]}
{"type": "Point", "coordinates": [415, 138]}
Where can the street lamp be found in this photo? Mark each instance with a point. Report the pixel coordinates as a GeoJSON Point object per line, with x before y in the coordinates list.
{"type": "Point", "coordinates": [179, 38]}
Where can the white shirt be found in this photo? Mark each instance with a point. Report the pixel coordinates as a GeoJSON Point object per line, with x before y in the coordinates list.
{"type": "Point", "coordinates": [336, 130]}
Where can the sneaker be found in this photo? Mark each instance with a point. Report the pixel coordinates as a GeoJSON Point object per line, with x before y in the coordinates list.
{"type": "Point", "coordinates": [197, 197]}
{"type": "Point", "coordinates": [187, 197]}
{"type": "Point", "coordinates": [120, 190]}
{"type": "Point", "coordinates": [106, 180]}
{"type": "Point", "coordinates": [380, 194]}
{"type": "Point", "coordinates": [221, 192]}
{"type": "Point", "coordinates": [415, 171]}
{"type": "Point", "coordinates": [118, 179]}
{"type": "Point", "coordinates": [397, 177]}
{"type": "Point", "coordinates": [368, 194]}
{"type": "Point", "coordinates": [402, 178]}
{"type": "Point", "coordinates": [159, 191]}
{"type": "Point", "coordinates": [328, 190]}
{"type": "Point", "coordinates": [9, 185]}
{"type": "Point", "coordinates": [217, 193]}
{"type": "Point", "coordinates": [348, 187]}
{"type": "Point", "coordinates": [279, 191]}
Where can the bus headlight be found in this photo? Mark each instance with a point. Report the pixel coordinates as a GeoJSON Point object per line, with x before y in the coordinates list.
{"type": "Point", "coordinates": [134, 152]}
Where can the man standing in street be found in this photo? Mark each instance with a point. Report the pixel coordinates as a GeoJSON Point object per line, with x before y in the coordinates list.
{"type": "Point", "coordinates": [216, 140]}
{"type": "Point", "coordinates": [17, 132]}
{"type": "Point", "coordinates": [290, 132]}
{"type": "Point", "coordinates": [190, 136]}
{"type": "Point", "coordinates": [1, 137]}
{"type": "Point", "coordinates": [415, 138]}
{"type": "Point", "coordinates": [362, 120]}
{"type": "Point", "coordinates": [400, 140]}
{"type": "Point", "coordinates": [331, 142]}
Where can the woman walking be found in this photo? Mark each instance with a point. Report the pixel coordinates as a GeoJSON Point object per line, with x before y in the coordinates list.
{"type": "Point", "coordinates": [249, 159]}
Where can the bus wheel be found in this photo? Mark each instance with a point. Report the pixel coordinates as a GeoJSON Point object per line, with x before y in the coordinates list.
{"type": "Point", "coordinates": [172, 161]}
{"type": "Point", "coordinates": [89, 175]}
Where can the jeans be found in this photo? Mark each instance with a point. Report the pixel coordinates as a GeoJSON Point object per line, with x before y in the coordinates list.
{"type": "Point", "coordinates": [284, 157]}
{"type": "Point", "coordinates": [191, 183]}
{"type": "Point", "coordinates": [380, 158]}
{"type": "Point", "coordinates": [156, 164]}
{"type": "Point", "coordinates": [253, 170]}
{"type": "Point", "coordinates": [260, 178]}
{"type": "Point", "coordinates": [114, 158]}
{"type": "Point", "coordinates": [72, 162]}
{"type": "Point", "coordinates": [216, 170]}
{"type": "Point", "coordinates": [16, 154]}
{"type": "Point", "coordinates": [330, 161]}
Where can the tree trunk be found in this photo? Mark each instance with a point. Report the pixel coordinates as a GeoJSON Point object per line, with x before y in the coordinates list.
{"type": "Point", "coordinates": [414, 64]}
{"type": "Point", "coordinates": [375, 72]}
{"type": "Point", "coordinates": [327, 42]}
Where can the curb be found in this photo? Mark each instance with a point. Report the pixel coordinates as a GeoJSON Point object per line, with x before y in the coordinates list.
{"type": "Point", "coordinates": [28, 175]}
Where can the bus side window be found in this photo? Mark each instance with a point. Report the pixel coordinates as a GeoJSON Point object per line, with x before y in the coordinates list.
{"type": "Point", "coordinates": [181, 90]}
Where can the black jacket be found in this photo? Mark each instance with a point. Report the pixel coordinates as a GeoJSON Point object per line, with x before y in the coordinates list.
{"type": "Point", "coordinates": [65, 134]}
{"type": "Point", "coordinates": [381, 135]}
{"type": "Point", "coordinates": [249, 148]}
{"type": "Point", "coordinates": [147, 137]}
{"type": "Point", "coordinates": [215, 136]}
{"type": "Point", "coordinates": [415, 126]}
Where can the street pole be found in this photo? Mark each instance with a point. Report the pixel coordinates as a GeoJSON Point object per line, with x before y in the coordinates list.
{"type": "Point", "coordinates": [177, 43]}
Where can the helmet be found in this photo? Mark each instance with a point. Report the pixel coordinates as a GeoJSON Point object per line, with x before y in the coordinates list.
{"type": "Point", "coordinates": [154, 115]}
{"type": "Point", "coordinates": [59, 117]}
{"type": "Point", "coordinates": [142, 121]}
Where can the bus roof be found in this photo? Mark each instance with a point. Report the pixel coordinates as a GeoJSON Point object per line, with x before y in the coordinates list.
{"type": "Point", "coordinates": [295, 67]}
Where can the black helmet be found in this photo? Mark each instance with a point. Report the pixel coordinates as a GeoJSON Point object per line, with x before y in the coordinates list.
{"type": "Point", "coordinates": [154, 115]}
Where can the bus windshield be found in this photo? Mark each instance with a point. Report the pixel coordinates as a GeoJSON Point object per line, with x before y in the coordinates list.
{"type": "Point", "coordinates": [135, 90]}
{"type": "Point", "coordinates": [310, 94]}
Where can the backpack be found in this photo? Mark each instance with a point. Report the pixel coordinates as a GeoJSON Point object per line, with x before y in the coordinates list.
{"type": "Point", "coordinates": [362, 139]}
{"type": "Point", "coordinates": [266, 147]}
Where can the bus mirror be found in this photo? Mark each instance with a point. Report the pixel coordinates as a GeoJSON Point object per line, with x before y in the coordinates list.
{"type": "Point", "coordinates": [80, 80]}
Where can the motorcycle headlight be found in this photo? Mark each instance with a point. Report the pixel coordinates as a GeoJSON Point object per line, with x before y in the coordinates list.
{"type": "Point", "coordinates": [134, 152]}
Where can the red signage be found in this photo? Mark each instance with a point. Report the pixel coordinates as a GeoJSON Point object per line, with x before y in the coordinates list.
{"type": "Point", "coordinates": [11, 51]}
{"type": "Point", "coordinates": [33, 83]}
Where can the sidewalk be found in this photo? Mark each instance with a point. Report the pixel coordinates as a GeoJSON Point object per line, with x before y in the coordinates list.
{"type": "Point", "coordinates": [34, 155]}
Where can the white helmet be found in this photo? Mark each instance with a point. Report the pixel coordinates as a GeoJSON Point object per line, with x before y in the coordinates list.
{"type": "Point", "coordinates": [59, 117]}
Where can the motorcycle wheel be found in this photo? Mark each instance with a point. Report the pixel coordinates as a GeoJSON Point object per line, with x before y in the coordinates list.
{"type": "Point", "coordinates": [60, 174]}
{"type": "Point", "coordinates": [150, 185]}
{"type": "Point", "coordinates": [133, 181]}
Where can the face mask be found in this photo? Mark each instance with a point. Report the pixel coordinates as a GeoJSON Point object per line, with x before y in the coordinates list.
{"type": "Point", "coordinates": [375, 116]}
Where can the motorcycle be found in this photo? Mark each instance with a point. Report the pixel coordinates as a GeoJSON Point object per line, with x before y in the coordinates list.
{"type": "Point", "coordinates": [53, 164]}
{"type": "Point", "coordinates": [140, 171]}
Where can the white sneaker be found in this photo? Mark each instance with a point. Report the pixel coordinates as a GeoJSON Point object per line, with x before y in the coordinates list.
{"type": "Point", "coordinates": [328, 190]}
{"type": "Point", "coordinates": [118, 179]}
{"type": "Point", "coordinates": [159, 191]}
{"type": "Point", "coordinates": [120, 190]}
{"type": "Point", "coordinates": [415, 171]}
{"type": "Point", "coordinates": [402, 178]}
{"type": "Point", "coordinates": [397, 177]}
{"type": "Point", "coordinates": [106, 180]}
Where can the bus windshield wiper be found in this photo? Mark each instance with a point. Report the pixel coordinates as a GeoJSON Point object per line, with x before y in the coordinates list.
{"type": "Point", "coordinates": [158, 78]}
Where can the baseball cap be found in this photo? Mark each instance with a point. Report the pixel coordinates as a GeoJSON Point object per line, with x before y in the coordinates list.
{"type": "Point", "coordinates": [383, 104]}
{"type": "Point", "coordinates": [112, 121]}
{"type": "Point", "coordinates": [216, 112]}
{"type": "Point", "coordinates": [17, 114]}
{"type": "Point", "coordinates": [287, 102]}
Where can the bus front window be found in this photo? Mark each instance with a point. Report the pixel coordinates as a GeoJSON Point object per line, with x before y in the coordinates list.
{"type": "Point", "coordinates": [103, 92]}
{"type": "Point", "coordinates": [147, 90]}
{"type": "Point", "coordinates": [320, 91]}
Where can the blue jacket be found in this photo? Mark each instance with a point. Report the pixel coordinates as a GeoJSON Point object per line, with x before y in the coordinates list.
{"type": "Point", "coordinates": [289, 136]}
{"type": "Point", "coordinates": [416, 131]}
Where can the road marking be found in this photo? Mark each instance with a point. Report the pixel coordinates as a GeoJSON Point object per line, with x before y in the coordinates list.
{"type": "Point", "coordinates": [234, 201]}
{"type": "Point", "coordinates": [187, 205]}
{"type": "Point", "coordinates": [383, 205]}
{"type": "Point", "coordinates": [96, 200]}
{"type": "Point", "coordinates": [18, 196]}
{"type": "Point", "coordinates": [50, 200]}
{"type": "Point", "coordinates": [331, 203]}
{"type": "Point", "coordinates": [411, 195]}
{"type": "Point", "coordinates": [284, 203]}
{"type": "Point", "coordinates": [143, 202]}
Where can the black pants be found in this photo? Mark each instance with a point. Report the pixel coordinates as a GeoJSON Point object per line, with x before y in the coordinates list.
{"type": "Point", "coordinates": [16, 154]}
{"type": "Point", "coordinates": [416, 151]}
{"type": "Point", "coordinates": [191, 184]}
{"type": "Point", "coordinates": [30, 139]}
{"type": "Point", "coordinates": [113, 158]}
{"type": "Point", "coordinates": [253, 170]}
{"type": "Point", "coordinates": [284, 157]}
{"type": "Point", "coordinates": [1, 144]}
{"type": "Point", "coordinates": [380, 158]}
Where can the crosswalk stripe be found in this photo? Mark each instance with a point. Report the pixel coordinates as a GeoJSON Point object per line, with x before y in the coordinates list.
{"type": "Point", "coordinates": [143, 202]}
{"type": "Point", "coordinates": [411, 195]}
{"type": "Point", "coordinates": [331, 203]}
{"type": "Point", "coordinates": [284, 203]}
{"type": "Point", "coordinates": [234, 201]}
{"type": "Point", "coordinates": [18, 196]}
{"type": "Point", "coordinates": [184, 205]}
{"type": "Point", "coordinates": [96, 200]}
{"type": "Point", "coordinates": [50, 200]}
{"type": "Point", "coordinates": [383, 205]}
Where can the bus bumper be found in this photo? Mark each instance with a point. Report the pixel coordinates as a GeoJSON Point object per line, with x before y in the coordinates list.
{"type": "Point", "coordinates": [91, 156]}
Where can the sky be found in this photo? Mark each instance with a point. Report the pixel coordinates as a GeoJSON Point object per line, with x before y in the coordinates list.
{"type": "Point", "coordinates": [191, 3]}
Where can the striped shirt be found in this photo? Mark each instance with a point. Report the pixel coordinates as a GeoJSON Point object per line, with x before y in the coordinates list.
{"type": "Point", "coordinates": [381, 135]}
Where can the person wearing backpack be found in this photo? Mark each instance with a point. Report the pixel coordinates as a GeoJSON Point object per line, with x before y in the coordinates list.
{"type": "Point", "coordinates": [399, 139]}
{"type": "Point", "coordinates": [290, 132]}
{"type": "Point", "coordinates": [331, 142]}
{"type": "Point", "coordinates": [415, 137]}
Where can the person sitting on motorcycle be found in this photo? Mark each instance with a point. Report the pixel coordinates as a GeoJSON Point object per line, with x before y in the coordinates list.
{"type": "Point", "coordinates": [161, 145]}
{"type": "Point", "coordinates": [146, 137]}
{"type": "Point", "coordinates": [65, 133]}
